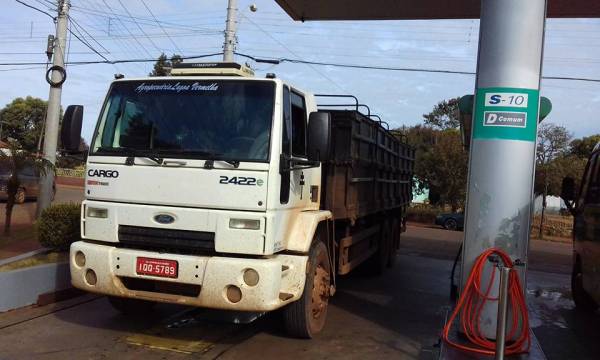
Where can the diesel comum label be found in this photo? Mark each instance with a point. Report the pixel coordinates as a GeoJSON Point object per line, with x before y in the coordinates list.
{"type": "Point", "coordinates": [506, 114]}
{"type": "Point", "coordinates": [505, 118]}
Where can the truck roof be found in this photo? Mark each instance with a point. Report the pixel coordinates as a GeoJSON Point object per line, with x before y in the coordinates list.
{"type": "Point", "coordinates": [204, 78]}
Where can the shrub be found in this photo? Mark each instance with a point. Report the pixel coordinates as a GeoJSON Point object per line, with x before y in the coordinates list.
{"type": "Point", "coordinates": [59, 226]}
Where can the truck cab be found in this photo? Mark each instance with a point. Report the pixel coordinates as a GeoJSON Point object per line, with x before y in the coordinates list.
{"type": "Point", "coordinates": [585, 206]}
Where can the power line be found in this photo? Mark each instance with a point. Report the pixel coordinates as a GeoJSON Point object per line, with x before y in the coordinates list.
{"type": "Point", "coordinates": [138, 25]}
{"type": "Point", "coordinates": [371, 67]}
{"type": "Point", "coordinates": [299, 61]}
{"type": "Point", "coordinates": [84, 42]}
{"type": "Point", "coordinates": [122, 61]}
{"type": "Point", "coordinates": [87, 33]}
{"type": "Point", "coordinates": [127, 29]}
{"type": "Point", "coordinates": [292, 52]}
{"type": "Point", "coordinates": [163, 29]}
{"type": "Point", "coordinates": [34, 8]}
{"type": "Point", "coordinates": [126, 46]}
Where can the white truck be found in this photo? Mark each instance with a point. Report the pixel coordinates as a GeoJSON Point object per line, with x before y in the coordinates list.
{"type": "Point", "coordinates": [215, 188]}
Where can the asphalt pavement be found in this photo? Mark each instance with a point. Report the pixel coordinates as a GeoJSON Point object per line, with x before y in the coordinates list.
{"type": "Point", "coordinates": [397, 315]}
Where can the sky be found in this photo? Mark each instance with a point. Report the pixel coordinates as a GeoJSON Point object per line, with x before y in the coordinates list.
{"type": "Point", "coordinates": [142, 29]}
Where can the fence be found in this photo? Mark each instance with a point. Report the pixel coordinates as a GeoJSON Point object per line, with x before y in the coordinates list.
{"type": "Point", "coordinates": [77, 173]}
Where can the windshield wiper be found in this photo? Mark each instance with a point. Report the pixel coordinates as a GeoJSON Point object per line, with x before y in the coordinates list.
{"type": "Point", "coordinates": [209, 164]}
{"type": "Point", "coordinates": [131, 154]}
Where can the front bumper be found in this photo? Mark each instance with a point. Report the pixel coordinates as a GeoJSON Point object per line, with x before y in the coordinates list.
{"type": "Point", "coordinates": [281, 277]}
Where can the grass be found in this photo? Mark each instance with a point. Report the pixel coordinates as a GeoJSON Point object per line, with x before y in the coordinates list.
{"type": "Point", "coordinates": [40, 259]}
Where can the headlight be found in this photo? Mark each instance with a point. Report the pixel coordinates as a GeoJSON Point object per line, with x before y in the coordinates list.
{"type": "Point", "coordinates": [97, 212]}
{"type": "Point", "coordinates": [247, 224]}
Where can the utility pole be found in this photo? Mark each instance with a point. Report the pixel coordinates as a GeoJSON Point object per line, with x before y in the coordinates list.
{"type": "Point", "coordinates": [230, 24]}
{"type": "Point", "coordinates": [57, 78]}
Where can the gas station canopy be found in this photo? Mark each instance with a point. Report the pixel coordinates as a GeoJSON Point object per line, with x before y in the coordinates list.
{"type": "Point", "coordinates": [418, 9]}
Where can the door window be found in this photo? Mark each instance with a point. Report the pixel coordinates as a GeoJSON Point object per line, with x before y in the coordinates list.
{"type": "Point", "coordinates": [298, 125]}
{"type": "Point", "coordinates": [593, 191]}
{"type": "Point", "coordinates": [286, 146]}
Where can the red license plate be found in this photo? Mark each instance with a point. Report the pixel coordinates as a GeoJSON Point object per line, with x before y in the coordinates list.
{"type": "Point", "coordinates": [156, 267]}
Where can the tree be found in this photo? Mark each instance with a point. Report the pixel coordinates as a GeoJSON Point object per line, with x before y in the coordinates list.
{"type": "Point", "coordinates": [163, 64]}
{"type": "Point", "coordinates": [553, 143]}
{"type": "Point", "coordinates": [14, 159]}
{"type": "Point", "coordinates": [23, 121]}
{"type": "Point", "coordinates": [583, 147]}
{"type": "Point", "coordinates": [444, 115]}
{"type": "Point", "coordinates": [444, 169]}
{"type": "Point", "coordinates": [440, 164]}
{"type": "Point", "coordinates": [71, 162]}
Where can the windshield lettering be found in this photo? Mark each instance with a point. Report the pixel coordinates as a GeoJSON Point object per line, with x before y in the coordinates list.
{"type": "Point", "coordinates": [176, 87]}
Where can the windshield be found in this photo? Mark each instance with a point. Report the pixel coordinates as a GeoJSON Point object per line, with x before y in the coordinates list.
{"type": "Point", "coordinates": [208, 119]}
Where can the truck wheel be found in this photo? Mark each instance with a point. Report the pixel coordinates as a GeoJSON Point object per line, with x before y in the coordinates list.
{"type": "Point", "coordinates": [583, 300]}
{"type": "Point", "coordinates": [131, 307]}
{"type": "Point", "coordinates": [377, 264]}
{"type": "Point", "coordinates": [305, 317]}
{"type": "Point", "coordinates": [20, 196]}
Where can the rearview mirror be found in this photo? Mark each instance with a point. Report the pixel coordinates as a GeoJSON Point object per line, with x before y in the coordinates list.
{"type": "Point", "coordinates": [568, 189]}
{"type": "Point", "coordinates": [70, 132]}
{"type": "Point", "coordinates": [319, 136]}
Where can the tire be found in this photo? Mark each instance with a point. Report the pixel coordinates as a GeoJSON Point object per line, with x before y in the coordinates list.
{"type": "Point", "coordinates": [306, 317]}
{"type": "Point", "coordinates": [377, 263]}
{"type": "Point", "coordinates": [450, 224]}
{"type": "Point", "coordinates": [395, 244]}
{"type": "Point", "coordinates": [583, 300]}
{"type": "Point", "coordinates": [131, 307]}
{"type": "Point", "coordinates": [20, 196]}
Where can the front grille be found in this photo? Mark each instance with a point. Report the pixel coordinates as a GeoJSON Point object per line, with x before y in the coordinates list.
{"type": "Point", "coordinates": [167, 240]}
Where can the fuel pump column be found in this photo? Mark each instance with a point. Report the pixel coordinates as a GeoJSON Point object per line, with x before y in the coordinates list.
{"type": "Point", "coordinates": [502, 154]}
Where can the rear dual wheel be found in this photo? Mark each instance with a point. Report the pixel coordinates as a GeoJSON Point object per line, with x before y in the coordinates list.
{"type": "Point", "coordinates": [305, 317]}
{"type": "Point", "coordinates": [386, 250]}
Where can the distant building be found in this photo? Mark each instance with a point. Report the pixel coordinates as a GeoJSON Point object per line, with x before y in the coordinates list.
{"type": "Point", "coordinates": [553, 204]}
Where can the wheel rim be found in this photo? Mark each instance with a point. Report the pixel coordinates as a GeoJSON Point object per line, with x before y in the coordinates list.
{"type": "Point", "coordinates": [20, 196]}
{"type": "Point", "coordinates": [320, 291]}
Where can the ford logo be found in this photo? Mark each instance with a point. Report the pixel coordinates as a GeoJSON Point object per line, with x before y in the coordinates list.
{"type": "Point", "coordinates": [164, 219]}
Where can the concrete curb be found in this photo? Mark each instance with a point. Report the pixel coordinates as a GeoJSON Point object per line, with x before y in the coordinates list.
{"type": "Point", "coordinates": [22, 287]}
{"type": "Point", "coordinates": [24, 256]}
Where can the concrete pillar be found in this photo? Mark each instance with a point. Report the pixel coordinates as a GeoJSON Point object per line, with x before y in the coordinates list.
{"type": "Point", "coordinates": [505, 116]}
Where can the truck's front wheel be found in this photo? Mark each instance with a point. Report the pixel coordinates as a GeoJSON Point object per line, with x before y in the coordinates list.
{"type": "Point", "coordinates": [131, 307]}
{"type": "Point", "coordinates": [305, 317]}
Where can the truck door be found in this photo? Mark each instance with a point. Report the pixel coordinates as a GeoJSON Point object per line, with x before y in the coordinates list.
{"type": "Point", "coordinates": [294, 184]}
{"type": "Point", "coordinates": [587, 229]}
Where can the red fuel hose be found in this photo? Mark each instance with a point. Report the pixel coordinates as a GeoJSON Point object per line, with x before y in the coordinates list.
{"type": "Point", "coordinates": [472, 301]}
